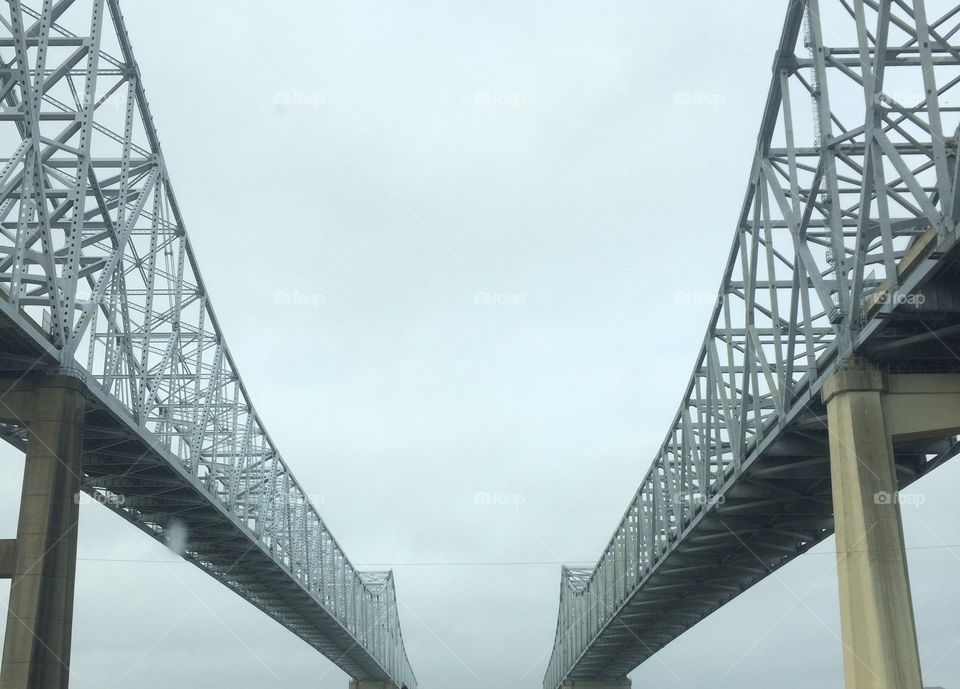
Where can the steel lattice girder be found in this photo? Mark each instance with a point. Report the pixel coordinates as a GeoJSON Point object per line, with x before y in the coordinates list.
{"type": "Point", "coordinates": [97, 276]}
{"type": "Point", "coordinates": [845, 245]}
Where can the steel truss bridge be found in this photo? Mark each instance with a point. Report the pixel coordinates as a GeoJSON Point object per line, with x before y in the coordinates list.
{"type": "Point", "coordinates": [98, 278]}
{"type": "Point", "coordinates": [846, 245]}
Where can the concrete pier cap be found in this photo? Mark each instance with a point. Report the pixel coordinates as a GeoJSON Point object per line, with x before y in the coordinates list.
{"type": "Point", "coordinates": [867, 410]}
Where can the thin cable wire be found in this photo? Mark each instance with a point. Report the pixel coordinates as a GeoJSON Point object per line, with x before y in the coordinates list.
{"type": "Point", "coordinates": [516, 563]}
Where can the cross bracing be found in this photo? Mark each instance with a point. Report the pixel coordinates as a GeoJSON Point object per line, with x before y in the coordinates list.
{"type": "Point", "coordinates": [98, 278]}
{"type": "Point", "coordinates": [845, 246]}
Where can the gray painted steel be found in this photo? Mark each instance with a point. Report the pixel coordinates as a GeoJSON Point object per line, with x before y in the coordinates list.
{"type": "Point", "coordinates": [846, 245]}
{"type": "Point", "coordinates": [97, 277]}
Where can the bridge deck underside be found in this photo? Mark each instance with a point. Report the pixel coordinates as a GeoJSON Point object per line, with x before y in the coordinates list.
{"type": "Point", "coordinates": [780, 505]}
{"type": "Point", "coordinates": [736, 546]}
{"type": "Point", "coordinates": [155, 491]}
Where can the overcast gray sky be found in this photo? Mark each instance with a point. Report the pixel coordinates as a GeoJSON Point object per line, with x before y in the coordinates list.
{"type": "Point", "coordinates": [446, 240]}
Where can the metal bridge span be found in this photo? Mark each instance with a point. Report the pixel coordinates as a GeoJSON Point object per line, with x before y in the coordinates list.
{"type": "Point", "coordinates": [99, 286]}
{"type": "Point", "coordinates": [845, 253]}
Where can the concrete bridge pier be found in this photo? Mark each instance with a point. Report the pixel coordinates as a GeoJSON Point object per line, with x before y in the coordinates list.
{"type": "Point", "coordinates": [866, 411]}
{"type": "Point", "coordinates": [622, 683]}
{"type": "Point", "coordinates": [42, 560]}
{"type": "Point", "coordinates": [371, 684]}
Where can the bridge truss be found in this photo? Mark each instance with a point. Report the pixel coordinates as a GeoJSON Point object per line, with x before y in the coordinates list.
{"type": "Point", "coordinates": [98, 278]}
{"type": "Point", "coordinates": [846, 245]}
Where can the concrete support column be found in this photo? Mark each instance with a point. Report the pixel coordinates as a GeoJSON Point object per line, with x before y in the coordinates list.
{"type": "Point", "coordinates": [8, 557]}
{"type": "Point", "coordinates": [621, 683]}
{"type": "Point", "coordinates": [371, 684]}
{"type": "Point", "coordinates": [876, 610]}
{"type": "Point", "coordinates": [36, 649]}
